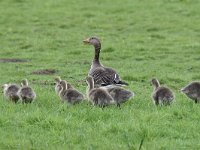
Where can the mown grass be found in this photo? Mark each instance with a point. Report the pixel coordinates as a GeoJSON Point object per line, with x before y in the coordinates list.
{"type": "Point", "coordinates": [141, 39]}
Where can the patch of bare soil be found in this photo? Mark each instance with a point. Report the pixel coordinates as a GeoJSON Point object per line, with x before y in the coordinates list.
{"type": "Point", "coordinates": [45, 72]}
{"type": "Point", "coordinates": [13, 60]}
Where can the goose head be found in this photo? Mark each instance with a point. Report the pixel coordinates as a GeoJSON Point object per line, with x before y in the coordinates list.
{"type": "Point", "coordinates": [155, 83]}
{"type": "Point", "coordinates": [24, 82]}
{"type": "Point", "coordinates": [92, 41]}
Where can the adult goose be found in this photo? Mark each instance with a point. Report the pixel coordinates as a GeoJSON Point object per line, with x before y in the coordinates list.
{"type": "Point", "coordinates": [192, 91]}
{"type": "Point", "coordinates": [10, 92]}
{"type": "Point", "coordinates": [161, 95]}
{"type": "Point", "coordinates": [101, 75]}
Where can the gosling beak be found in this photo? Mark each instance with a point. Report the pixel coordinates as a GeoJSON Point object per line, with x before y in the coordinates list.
{"type": "Point", "coordinates": [4, 86]}
{"type": "Point", "coordinates": [86, 41]}
{"type": "Point", "coordinates": [181, 90]}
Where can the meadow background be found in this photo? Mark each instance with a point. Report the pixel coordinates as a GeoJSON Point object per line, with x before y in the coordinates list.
{"type": "Point", "coordinates": [141, 39]}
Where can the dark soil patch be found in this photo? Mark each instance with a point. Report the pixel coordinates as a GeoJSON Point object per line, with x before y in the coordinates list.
{"type": "Point", "coordinates": [45, 72]}
{"type": "Point", "coordinates": [13, 60]}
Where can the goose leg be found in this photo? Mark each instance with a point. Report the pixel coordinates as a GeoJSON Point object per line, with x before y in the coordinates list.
{"type": "Point", "coordinates": [102, 107]}
{"type": "Point", "coordinates": [198, 99]}
{"type": "Point", "coordinates": [118, 105]}
{"type": "Point", "coordinates": [157, 102]}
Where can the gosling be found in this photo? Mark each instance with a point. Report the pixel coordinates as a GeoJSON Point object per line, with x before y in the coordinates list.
{"type": "Point", "coordinates": [119, 94]}
{"type": "Point", "coordinates": [26, 93]}
{"type": "Point", "coordinates": [69, 93]}
{"type": "Point", "coordinates": [192, 91]}
{"type": "Point", "coordinates": [98, 96]}
{"type": "Point", "coordinates": [161, 95]}
{"type": "Point", "coordinates": [10, 92]}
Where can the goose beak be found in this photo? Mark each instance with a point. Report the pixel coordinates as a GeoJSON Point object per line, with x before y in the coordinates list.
{"type": "Point", "coordinates": [86, 41]}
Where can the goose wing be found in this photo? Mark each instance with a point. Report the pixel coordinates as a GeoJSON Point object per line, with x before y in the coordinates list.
{"type": "Point", "coordinates": [105, 76]}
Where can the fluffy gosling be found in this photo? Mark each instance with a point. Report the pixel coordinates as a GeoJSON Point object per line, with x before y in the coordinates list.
{"type": "Point", "coordinates": [10, 92]}
{"type": "Point", "coordinates": [161, 95]}
{"type": "Point", "coordinates": [97, 96]}
{"type": "Point", "coordinates": [26, 93]}
{"type": "Point", "coordinates": [69, 93]}
{"type": "Point", "coordinates": [192, 91]}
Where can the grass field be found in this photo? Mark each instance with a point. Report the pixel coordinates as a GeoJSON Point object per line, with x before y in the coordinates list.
{"type": "Point", "coordinates": [141, 39]}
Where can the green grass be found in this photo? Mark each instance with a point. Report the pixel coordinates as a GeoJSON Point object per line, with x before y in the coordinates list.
{"type": "Point", "coordinates": [141, 39]}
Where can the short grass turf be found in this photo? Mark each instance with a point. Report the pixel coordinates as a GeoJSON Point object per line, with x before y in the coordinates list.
{"type": "Point", "coordinates": [141, 39]}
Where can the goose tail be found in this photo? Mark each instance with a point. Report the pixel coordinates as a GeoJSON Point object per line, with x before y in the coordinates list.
{"type": "Point", "coordinates": [122, 83]}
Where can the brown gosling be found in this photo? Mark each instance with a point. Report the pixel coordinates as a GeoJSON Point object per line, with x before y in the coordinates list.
{"type": "Point", "coordinates": [192, 91]}
{"type": "Point", "coordinates": [10, 92]}
{"type": "Point", "coordinates": [98, 96]}
{"type": "Point", "coordinates": [57, 85]}
{"type": "Point", "coordinates": [119, 94]}
{"type": "Point", "coordinates": [69, 94]}
{"type": "Point", "coordinates": [161, 95]}
{"type": "Point", "coordinates": [101, 75]}
{"type": "Point", "coordinates": [26, 93]}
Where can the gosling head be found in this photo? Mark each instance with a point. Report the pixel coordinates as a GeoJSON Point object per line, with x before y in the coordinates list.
{"type": "Point", "coordinates": [63, 84]}
{"type": "Point", "coordinates": [92, 41]}
{"type": "Point", "coordinates": [57, 79]}
{"type": "Point", "coordinates": [185, 90]}
{"type": "Point", "coordinates": [5, 87]}
{"type": "Point", "coordinates": [24, 82]}
{"type": "Point", "coordinates": [155, 83]}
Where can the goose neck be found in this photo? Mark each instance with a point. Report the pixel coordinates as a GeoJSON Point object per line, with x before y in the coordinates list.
{"type": "Point", "coordinates": [97, 51]}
